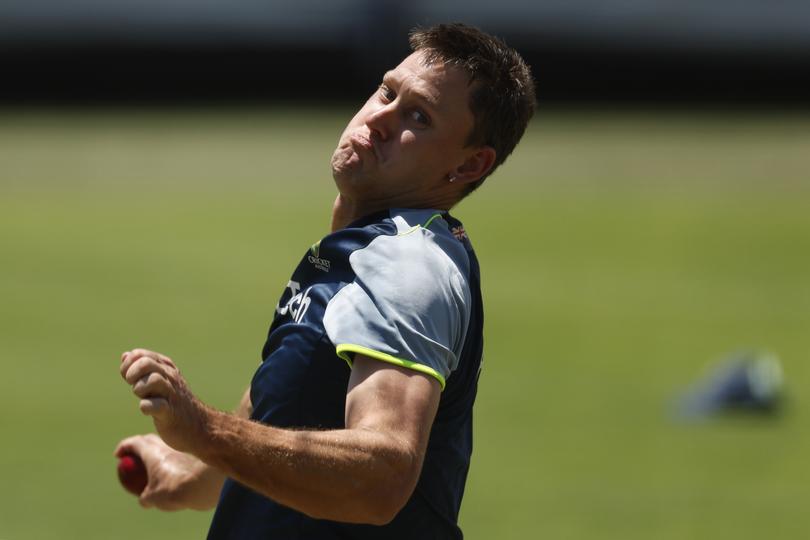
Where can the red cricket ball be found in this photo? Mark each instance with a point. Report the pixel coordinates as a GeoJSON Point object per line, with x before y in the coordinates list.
{"type": "Point", "coordinates": [132, 473]}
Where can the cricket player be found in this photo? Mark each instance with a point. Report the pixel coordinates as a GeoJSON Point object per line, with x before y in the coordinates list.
{"type": "Point", "coordinates": [358, 421]}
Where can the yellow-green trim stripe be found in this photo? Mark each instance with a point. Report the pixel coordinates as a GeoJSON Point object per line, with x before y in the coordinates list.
{"type": "Point", "coordinates": [409, 231]}
{"type": "Point", "coordinates": [417, 227]}
{"type": "Point", "coordinates": [428, 222]}
{"type": "Point", "coordinates": [344, 349]}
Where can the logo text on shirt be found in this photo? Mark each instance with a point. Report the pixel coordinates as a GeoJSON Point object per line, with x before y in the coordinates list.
{"type": "Point", "coordinates": [298, 303]}
{"type": "Point", "coordinates": [315, 258]}
{"type": "Point", "coordinates": [320, 263]}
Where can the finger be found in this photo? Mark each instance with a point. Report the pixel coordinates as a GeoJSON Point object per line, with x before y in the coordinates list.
{"type": "Point", "coordinates": [154, 406]}
{"type": "Point", "coordinates": [158, 498]}
{"type": "Point", "coordinates": [144, 500]}
{"type": "Point", "coordinates": [146, 446]}
{"type": "Point", "coordinates": [126, 360]}
{"type": "Point", "coordinates": [151, 354]}
{"type": "Point", "coordinates": [153, 385]}
{"type": "Point", "coordinates": [130, 445]}
{"type": "Point", "coordinates": [153, 496]}
{"type": "Point", "coordinates": [130, 357]}
{"type": "Point", "coordinates": [143, 367]}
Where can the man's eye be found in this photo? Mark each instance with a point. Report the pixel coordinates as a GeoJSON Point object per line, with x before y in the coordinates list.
{"type": "Point", "coordinates": [387, 93]}
{"type": "Point", "coordinates": [420, 117]}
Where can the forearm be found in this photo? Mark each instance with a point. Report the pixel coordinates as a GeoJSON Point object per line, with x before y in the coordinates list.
{"type": "Point", "coordinates": [355, 475]}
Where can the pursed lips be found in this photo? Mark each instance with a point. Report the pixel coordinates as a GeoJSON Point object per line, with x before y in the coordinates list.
{"type": "Point", "coordinates": [362, 142]}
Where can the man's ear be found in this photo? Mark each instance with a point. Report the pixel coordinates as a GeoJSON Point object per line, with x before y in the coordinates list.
{"type": "Point", "coordinates": [478, 164]}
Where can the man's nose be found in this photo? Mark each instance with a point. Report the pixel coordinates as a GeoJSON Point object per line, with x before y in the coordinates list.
{"type": "Point", "coordinates": [381, 122]}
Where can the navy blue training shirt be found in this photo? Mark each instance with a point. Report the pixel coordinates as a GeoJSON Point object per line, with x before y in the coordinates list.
{"type": "Point", "coordinates": [399, 286]}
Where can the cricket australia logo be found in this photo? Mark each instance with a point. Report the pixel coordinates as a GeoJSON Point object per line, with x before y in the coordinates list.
{"type": "Point", "coordinates": [315, 258]}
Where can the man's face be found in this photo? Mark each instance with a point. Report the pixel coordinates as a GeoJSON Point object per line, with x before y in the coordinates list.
{"type": "Point", "coordinates": [408, 137]}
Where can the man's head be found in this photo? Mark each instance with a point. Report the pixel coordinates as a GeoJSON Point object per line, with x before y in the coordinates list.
{"type": "Point", "coordinates": [439, 124]}
{"type": "Point", "coordinates": [502, 97]}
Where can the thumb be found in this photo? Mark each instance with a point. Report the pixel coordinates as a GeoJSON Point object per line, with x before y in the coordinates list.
{"type": "Point", "coordinates": [155, 407]}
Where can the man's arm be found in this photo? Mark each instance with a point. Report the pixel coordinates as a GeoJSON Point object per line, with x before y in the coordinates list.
{"type": "Point", "coordinates": [177, 480]}
{"type": "Point", "coordinates": [364, 473]}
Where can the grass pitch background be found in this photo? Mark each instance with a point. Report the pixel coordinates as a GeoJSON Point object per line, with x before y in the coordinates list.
{"type": "Point", "coordinates": [620, 255]}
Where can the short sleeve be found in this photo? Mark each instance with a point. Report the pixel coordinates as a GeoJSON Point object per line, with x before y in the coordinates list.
{"type": "Point", "coordinates": [408, 304]}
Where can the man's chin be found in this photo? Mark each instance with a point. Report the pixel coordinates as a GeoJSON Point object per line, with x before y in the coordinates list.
{"type": "Point", "coordinates": [345, 161]}
{"type": "Point", "coordinates": [353, 182]}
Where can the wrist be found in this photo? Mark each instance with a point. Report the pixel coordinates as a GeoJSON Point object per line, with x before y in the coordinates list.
{"type": "Point", "coordinates": [213, 424]}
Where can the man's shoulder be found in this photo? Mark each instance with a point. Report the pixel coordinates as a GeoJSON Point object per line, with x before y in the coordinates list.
{"type": "Point", "coordinates": [405, 236]}
{"type": "Point", "coordinates": [414, 239]}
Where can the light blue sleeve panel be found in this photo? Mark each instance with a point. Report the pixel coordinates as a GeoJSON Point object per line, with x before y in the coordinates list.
{"type": "Point", "coordinates": [409, 304]}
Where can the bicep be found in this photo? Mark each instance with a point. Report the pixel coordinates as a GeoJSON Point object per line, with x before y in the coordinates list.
{"type": "Point", "coordinates": [394, 401]}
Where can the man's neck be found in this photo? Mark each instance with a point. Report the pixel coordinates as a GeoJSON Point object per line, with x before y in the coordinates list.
{"type": "Point", "coordinates": [344, 212]}
{"type": "Point", "coordinates": [347, 210]}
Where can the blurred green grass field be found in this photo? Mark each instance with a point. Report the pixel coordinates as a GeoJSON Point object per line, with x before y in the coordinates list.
{"type": "Point", "coordinates": [621, 253]}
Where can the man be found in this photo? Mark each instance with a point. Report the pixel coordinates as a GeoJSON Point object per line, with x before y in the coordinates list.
{"type": "Point", "coordinates": [376, 445]}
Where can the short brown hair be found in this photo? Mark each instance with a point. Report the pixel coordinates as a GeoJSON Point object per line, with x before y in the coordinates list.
{"type": "Point", "coordinates": [502, 98]}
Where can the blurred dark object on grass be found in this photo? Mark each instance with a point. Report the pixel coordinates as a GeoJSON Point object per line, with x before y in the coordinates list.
{"type": "Point", "coordinates": [745, 382]}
